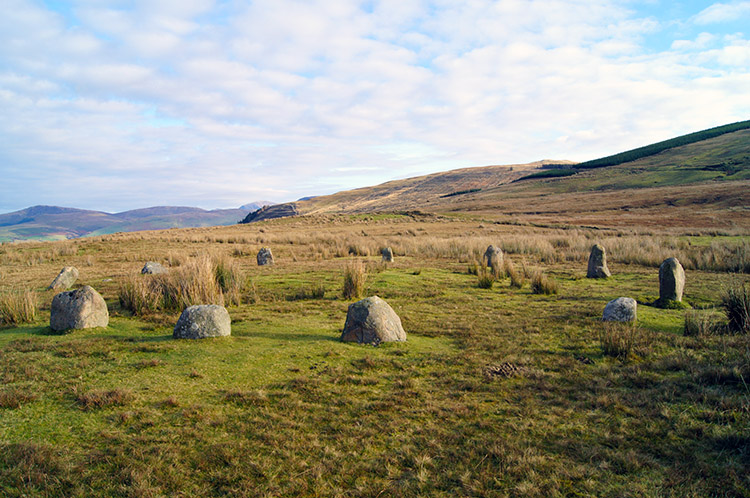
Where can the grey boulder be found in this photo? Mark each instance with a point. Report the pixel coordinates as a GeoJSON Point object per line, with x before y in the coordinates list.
{"type": "Point", "coordinates": [65, 279]}
{"type": "Point", "coordinates": [82, 308]}
{"type": "Point", "coordinates": [202, 321]}
{"type": "Point", "coordinates": [265, 257]}
{"type": "Point", "coordinates": [671, 280]}
{"type": "Point", "coordinates": [153, 268]}
{"type": "Point", "coordinates": [493, 257]}
{"type": "Point", "coordinates": [387, 255]}
{"type": "Point", "coordinates": [372, 321]}
{"type": "Point", "coordinates": [598, 263]}
{"type": "Point", "coordinates": [622, 309]}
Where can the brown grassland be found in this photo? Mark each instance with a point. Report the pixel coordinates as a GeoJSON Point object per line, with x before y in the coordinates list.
{"type": "Point", "coordinates": [497, 392]}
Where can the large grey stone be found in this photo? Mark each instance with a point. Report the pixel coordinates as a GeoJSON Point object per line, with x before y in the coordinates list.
{"type": "Point", "coordinates": [78, 309]}
{"type": "Point", "coordinates": [622, 309]}
{"type": "Point", "coordinates": [153, 268]}
{"type": "Point", "coordinates": [372, 321]}
{"type": "Point", "coordinates": [202, 321]}
{"type": "Point", "coordinates": [598, 263]}
{"type": "Point", "coordinates": [493, 258]}
{"type": "Point", "coordinates": [671, 280]}
{"type": "Point", "coordinates": [265, 257]}
{"type": "Point", "coordinates": [387, 253]}
{"type": "Point", "coordinates": [65, 279]}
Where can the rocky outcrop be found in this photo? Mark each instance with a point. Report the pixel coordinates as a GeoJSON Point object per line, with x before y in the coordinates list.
{"type": "Point", "coordinates": [82, 308]}
{"type": "Point", "coordinates": [272, 212]}
{"type": "Point", "coordinates": [202, 321]}
{"type": "Point", "coordinates": [372, 321]}
{"type": "Point", "coordinates": [65, 279]}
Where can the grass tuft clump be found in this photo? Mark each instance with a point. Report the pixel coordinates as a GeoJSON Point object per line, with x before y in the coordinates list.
{"type": "Point", "coordinates": [355, 276]}
{"type": "Point", "coordinates": [13, 397]}
{"type": "Point", "coordinates": [541, 284]}
{"type": "Point", "coordinates": [18, 307]}
{"type": "Point", "coordinates": [97, 399]}
{"type": "Point", "coordinates": [516, 277]}
{"type": "Point", "coordinates": [736, 303]}
{"type": "Point", "coordinates": [316, 291]}
{"type": "Point", "coordinates": [617, 339]}
{"type": "Point", "coordinates": [485, 278]}
{"type": "Point", "coordinates": [701, 323]}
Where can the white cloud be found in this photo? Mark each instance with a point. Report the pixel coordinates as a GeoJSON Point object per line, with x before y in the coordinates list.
{"type": "Point", "coordinates": [722, 12]}
{"type": "Point", "coordinates": [224, 103]}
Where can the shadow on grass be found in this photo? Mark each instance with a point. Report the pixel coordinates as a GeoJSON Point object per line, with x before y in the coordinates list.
{"type": "Point", "coordinates": [297, 337]}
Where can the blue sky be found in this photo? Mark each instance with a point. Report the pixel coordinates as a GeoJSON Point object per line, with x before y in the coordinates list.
{"type": "Point", "coordinates": [115, 105]}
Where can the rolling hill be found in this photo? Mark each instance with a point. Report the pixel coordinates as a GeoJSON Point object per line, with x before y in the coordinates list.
{"type": "Point", "coordinates": [701, 180]}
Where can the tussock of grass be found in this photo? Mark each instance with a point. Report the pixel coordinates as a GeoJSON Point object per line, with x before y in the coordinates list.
{"type": "Point", "coordinates": [485, 278]}
{"type": "Point", "coordinates": [623, 340]}
{"type": "Point", "coordinates": [13, 397]}
{"type": "Point", "coordinates": [541, 284]}
{"type": "Point", "coordinates": [701, 323]}
{"type": "Point", "coordinates": [316, 291]}
{"type": "Point", "coordinates": [96, 399]}
{"type": "Point", "coordinates": [736, 303]}
{"type": "Point", "coordinates": [18, 307]}
{"type": "Point", "coordinates": [355, 277]}
{"type": "Point", "coordinates": [516, 278]}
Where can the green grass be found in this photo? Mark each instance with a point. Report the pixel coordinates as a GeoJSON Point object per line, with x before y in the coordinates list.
{"type": "Point", "coordinates": [282, 408]}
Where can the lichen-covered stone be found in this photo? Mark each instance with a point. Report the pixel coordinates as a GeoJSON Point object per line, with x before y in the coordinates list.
{"type": "Point", "coordinates": [493, 258]}
{"type": "Point", "coordinates": [671, 281]}
{"type": "Point", "coordinates": [265, 257]}
{"type": "Point", "coordinates": [598, 263]}
{"type": "Point", "coordinates": [372, 321]}
{"type": "Point", "coordinates": [387, 253]}
{"type": "Point", "coordinates": [78, 309]}
{"type": "Point", "coordinates": [622, 309]}
{"type": "Point", "coordinates": [202, 321]}
{"type": "Point", "coordinates": [65, 279]}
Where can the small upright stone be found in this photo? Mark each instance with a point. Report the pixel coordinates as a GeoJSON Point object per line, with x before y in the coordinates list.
{"type": "Point", "coordinates": [82, 308]}
{"type": "Point", "coordinates": [598, 263]}
{"type": "Point", "coordinates": [387, 253]}
{"type": "Point", "coordinates": [153, 268]}
{"type": "Point", "coordinates": [65, 279]}
{"type": "Point", "coordinates": [372, 321]}
{"type": "Point", "coordinates": [493, 258]}
{"type": "Point", "coordinates": [622, 309]}
{"type": "Point", "coordinates": [202, 321]}
{"type": "Point", "coordinates": [671, 281]}
{"type": "Point", "coordinates": [265, 257]}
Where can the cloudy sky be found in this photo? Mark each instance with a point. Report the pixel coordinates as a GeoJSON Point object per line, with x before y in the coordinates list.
{"type": "Point", "coordinates": [114, 105]}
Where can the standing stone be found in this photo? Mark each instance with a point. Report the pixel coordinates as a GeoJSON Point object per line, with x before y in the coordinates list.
{"type": "Point", "coordinates": [493, 257]}
{"type": "Point", "coordinates": [372, 321]}
{"type": "Point", "coordinates": [387, 255]}
{"type": "Point", "coordinates": [671, 281]}
{"type": "Point", "coordinates": [153, 268]}
{"type": "Point", "coordinates": [202, 321]}
{"type": "Point", "coordinates": [265, 257]}
{"type": "Point", "coordinates": [622, 309]}
{"type": "Point", "coordinates": [65, 279]}
{"type": "Point", "coordinates": [598, 263]}
{"type": "Point", "coordinates": [82, 308]}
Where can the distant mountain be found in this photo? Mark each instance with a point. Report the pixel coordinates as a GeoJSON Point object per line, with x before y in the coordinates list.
{"type": "Point", "coordinates": [56, 223]}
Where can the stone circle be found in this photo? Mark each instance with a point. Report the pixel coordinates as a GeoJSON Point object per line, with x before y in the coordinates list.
{"type": "Point", "coordinates": [265, 257]}
{"type": "Point", "coordinates": [153, 268]}
{"type": "Point", "coordinates": [671, 280]}
{"type": "Point", "coordinates": [387, 253]}
{"type": "Point", "coordinates": [622, 309]}
{"type": "Point", "coordinates": [493, 257]}
{"type": "Point", "coordinates": [598, 263]}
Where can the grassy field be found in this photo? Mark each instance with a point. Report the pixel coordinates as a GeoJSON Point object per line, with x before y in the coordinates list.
{"type": "Point", "coordinates": [497, 392]}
